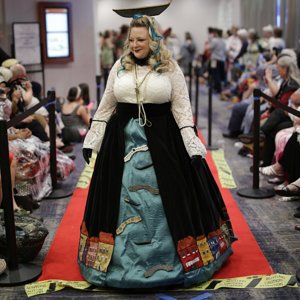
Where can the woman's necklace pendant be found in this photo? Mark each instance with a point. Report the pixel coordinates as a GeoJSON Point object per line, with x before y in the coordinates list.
{"type": "Point", "coordinates": [137, 91]}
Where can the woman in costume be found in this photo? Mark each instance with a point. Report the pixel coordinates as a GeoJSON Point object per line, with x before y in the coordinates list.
{"type": "Point", "coordinates": [154, 215]}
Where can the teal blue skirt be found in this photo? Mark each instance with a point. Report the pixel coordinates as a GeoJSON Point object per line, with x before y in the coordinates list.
{"type": "Point", "coordinates": [143, 254]}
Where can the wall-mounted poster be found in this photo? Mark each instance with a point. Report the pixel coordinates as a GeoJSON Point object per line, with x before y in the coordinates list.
{"type": "Point", "coordinates": [27, 45]}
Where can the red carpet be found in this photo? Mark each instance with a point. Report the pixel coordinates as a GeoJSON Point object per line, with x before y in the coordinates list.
{"type": "Point", "coordinates": [61, 260]}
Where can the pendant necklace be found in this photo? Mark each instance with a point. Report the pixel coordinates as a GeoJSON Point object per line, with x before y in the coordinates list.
{"type": "Point", "coordinates": [142, 114]}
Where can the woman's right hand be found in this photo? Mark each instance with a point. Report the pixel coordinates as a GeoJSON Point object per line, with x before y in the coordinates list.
{"type": "Point", "coordinates": [87, 154]}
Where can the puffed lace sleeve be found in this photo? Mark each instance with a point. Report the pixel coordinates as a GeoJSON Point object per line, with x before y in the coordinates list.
{"type": "Point", "coordinates": [182, 112]}
{"type": "Point", "coordinates": [94, 137]}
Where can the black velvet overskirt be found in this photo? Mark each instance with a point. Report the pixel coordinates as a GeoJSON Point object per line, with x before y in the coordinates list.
{"type": "Point", "coordinates": [191, 199]}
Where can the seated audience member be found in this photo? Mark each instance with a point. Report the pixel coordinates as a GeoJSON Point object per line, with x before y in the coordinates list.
{"type": "Point", "coordinates": [277, 119]}
{"type": "Point", "coordinates": [75, 117]}
{"type": "Point", "coordinates": [284, 135]}
{"type": "Point", "coordinates": [20, 79]}
{"type": "Point", "coordinates": [239, 110]}
{"type": "Point", "coordinates": [5, 110]}
{"type": "Point", "coordinates": [32, 177]}
{"type": "Point", "coordinates": [37, 129]}
{"type": "Point", "coordinates": [282, 138]}
{"type": "Point", "coordinates": [288, 166]}
{"type": "Point", "coordinates": [242, 112]}
{"type": "Point", "coordinates": [264, 106]}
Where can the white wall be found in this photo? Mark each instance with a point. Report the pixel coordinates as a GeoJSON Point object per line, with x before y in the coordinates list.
{"type": "Point", "coordinates": [229, 14]}
{"type": "Point", "coordinates": [62, 76]}
{"type": "Point", "coordinates": [182, 15]}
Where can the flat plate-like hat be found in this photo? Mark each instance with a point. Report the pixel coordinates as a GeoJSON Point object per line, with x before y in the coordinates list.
{"type": "Point", "coordinates": [145, 10]}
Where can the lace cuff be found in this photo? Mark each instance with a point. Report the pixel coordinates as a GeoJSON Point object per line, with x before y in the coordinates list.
{"type": "Point", "coordinates": [94, 137]}
{"type": "Point", "coordinates": [192, 143]}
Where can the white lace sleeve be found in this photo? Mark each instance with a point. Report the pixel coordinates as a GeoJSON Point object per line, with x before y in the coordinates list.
{"type": "Point", "coordinates": [94, 137]}
{"type": "Point", "coordinates": [182, 112]}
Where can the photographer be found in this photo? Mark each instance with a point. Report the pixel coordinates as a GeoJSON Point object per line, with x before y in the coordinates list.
{"type": "Point", "coordinates": [25, 100]}
{"type": "Point", "coordinates": [18, 106]}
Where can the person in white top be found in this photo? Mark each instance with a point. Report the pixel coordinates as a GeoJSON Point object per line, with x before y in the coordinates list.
{"type": "Point", "coordinates": [233, 45]}
{"type": "Point", "coordinates": [277, 41]}
{"type": "Point", "coordinates": [154, 215]}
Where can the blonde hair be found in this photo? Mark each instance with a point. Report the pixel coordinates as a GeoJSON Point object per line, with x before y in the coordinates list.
{"type": "Point", "coordinates": [159, 59]}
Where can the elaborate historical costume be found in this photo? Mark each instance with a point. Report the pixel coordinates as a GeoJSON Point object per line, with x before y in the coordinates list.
{"type": "Point", "coordinates": [154, 214]}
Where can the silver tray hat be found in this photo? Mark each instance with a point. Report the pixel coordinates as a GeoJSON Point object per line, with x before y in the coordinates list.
{"type": "Point", "coordinates": [154, 10]}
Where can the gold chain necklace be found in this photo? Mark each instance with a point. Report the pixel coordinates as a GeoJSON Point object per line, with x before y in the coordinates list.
{"type": "Point", "coordinates": [142, 114]}
{"type": "Point", "coordinates": [138, 85]}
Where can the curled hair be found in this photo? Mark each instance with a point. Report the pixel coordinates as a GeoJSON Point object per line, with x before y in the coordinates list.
{"type": "Point", "coordinates": [159, 59]}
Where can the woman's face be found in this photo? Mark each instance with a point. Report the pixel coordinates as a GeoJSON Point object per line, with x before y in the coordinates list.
{"type": "Point", "coordinates": [139, 42]}
{"type": "Point", "coordinates": [282, 71]}
{"type": "Point", "coordinates": [16, 95]}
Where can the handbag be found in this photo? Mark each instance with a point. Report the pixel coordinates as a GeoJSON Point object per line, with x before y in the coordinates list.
{"type": "Point", "coordinates": [30, 236]}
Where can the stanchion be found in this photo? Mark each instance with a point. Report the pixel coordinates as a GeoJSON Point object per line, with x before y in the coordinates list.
{"type": "Point", "coordinates": [58, 189]}
{"type": "Point", "coordinates": [190, 80]}
{"type": "Point", "coordinates": [256, 192]}
{"type": "Point", "coordinates": [210, 83]}
{"type": "Point", "coordinates": [196, 95]}
{"type": "Point", "coordinates": [98, 89]}
{"type": "Point", "coordinates": [16, 274]}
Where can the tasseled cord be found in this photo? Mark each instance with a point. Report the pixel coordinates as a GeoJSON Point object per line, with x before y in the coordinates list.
{"type": "Point", "coordinates": [142, 116]}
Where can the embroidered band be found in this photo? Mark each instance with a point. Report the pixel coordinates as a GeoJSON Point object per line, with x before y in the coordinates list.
{"type": "Point", "coordinates": [154, 269]}
{"type": "Point", "coordinates": [123, 225]}
{"type": "Point", "coordinates": [134, 150]}
{"type": "Point", "coordinates": [135, 188]}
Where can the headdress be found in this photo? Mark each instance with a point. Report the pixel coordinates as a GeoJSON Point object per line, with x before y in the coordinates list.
{"type": "Point", "coordinates": [148, 11]}
{"type": "Point", "coordinates": [154, 10]}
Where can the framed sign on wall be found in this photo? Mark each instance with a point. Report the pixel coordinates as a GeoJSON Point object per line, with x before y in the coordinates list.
{"type": "Point", "coordinates": [26, 42]}
{"type": "Point", "coordinates": [56, 31]}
